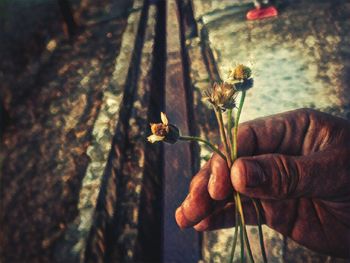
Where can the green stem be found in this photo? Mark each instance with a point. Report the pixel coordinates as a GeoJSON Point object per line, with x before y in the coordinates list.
{"type": "Point", "coordinates": [234, 157]}
{"type": "Point", "coordinates": [235, 133]}
{"type": "Point", "coordinates": [244, 229]}
{"type": "Point", "coordinates": [243, 232]}
{"type": "Point", "coordinates": [198, 139]}
{"type": "Point", "coordinates": [229, 130]}
{"type": "Point", "coordinates": [242, 240]}
{"type": "Point", "coordinates": [235, 235]}
{"type": "Point", "coordinates": [223, 135]}
{"type": "Point", "coordinates": [261, 235]}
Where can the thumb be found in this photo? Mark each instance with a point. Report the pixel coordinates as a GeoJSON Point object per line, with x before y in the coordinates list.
{"type": "Point", "coordinates": [277, 176]}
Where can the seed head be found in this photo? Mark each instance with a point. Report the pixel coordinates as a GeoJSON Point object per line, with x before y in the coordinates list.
{"type": "Point", "coordinates": [221, 95]}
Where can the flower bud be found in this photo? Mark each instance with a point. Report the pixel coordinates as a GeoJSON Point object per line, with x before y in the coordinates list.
{"type": "Point", "coordinates": [164, 131]}
{"type": "Point", "coordinates": [241, 77]}
{"type": "Point", "coordinates": [173, 134]}
{"type": "Point", "coordinates": [240, 72]}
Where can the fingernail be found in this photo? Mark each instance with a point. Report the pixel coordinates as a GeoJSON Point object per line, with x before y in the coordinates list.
{"type": "Point", "coordinates": [202, 226]}
{"type": "Point", "coordinates": [186, 202]}
{"type": "Point", "coordinates": [255, 175]}
{"type": "Point", "coordinates": [179, 218]}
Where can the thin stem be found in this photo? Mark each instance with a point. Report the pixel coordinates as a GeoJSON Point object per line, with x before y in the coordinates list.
{"type": "Point", "coordinates": [229, 130]}
{"type": "Point", "coordinates": [223, 136]}
{"type": "Point", "coordinates": [238, 115]}
{"type": "Point", "coordinates": [243, 232]}
{"type": "Point", "coordinates": [261, 235]}
{"type": "Point", "coordinates": [235, 235]}
{"type": "Point", "coordinates": [245, 235]}
{"type": "Point", "coordinates": [198, 139]}
{"type": "Point", "coordinates": [241, 240]}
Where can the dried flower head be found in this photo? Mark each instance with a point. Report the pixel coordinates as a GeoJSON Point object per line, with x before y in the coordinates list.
{"type": "Point", "coordinates": [163, 131]}
{"type": "Point", "coordinates": [240, 77]}
{"type": "Point", "coordinates": [221, 95]}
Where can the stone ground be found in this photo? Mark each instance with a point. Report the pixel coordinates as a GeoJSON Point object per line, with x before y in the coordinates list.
{"type": "Point", "coordinates": [300, 59]}
{"type": "Point", "coordinates": [52, 110]}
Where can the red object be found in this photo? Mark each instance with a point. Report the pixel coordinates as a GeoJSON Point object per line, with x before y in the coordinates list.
{"type": "Point", "coordinates": [261, 13]}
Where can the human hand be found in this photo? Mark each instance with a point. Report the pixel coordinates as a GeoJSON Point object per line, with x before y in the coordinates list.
{"type": "Point", "coordinates": [298, 164]}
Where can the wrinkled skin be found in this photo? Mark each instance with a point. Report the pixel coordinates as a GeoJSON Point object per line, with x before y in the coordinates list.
{"type": "Point", "coordinates": [298, 165]}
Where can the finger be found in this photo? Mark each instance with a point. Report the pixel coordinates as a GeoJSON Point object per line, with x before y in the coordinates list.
{"type": "Point", "coordinates": [294, 133]}
{"type": "Point", "coordinates": [203, 172]}
{"type": "Point", "coordinates": [198, 203]}
{"type": "Point", "coordinates": [276, 176]}
{"type": "Point", "coordinates": [219, 186]}
{"type": "Point", "coordinates": [295, 217]}
{"type": "Point", "coordinates": [225, 218]}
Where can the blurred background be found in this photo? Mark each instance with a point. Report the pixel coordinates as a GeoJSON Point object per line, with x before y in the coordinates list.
{"type": "Point", "coordinates": [80, 81]}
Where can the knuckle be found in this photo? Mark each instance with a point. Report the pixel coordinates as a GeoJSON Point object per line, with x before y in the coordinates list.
{"type": "Point", "coordinates": [287, 177]}
{"type": "Point", "coordinates": [199, 180]}
{"type": "Point", "coordinates": [307, 111]}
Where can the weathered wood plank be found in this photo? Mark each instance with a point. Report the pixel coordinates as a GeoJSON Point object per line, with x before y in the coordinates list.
{"type": "Point", "coordinates": [178, 246]}
{"type": "Point", "coordinates": [114, 237]}
{"type": "Point", "coordinates": [201, 80]}
{"type": "Point", "coordinates": [114, 233]}
{"type": "Point", "coordinates": [134, 164]}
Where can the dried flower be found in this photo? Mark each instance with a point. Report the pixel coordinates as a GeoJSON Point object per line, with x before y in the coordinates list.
{"type": "Point", "coordinates": [163, 131]}
{"type": "Point", "coordinates": [240, 77]}
{"type": "Point", "coordinates": [222, 95]}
